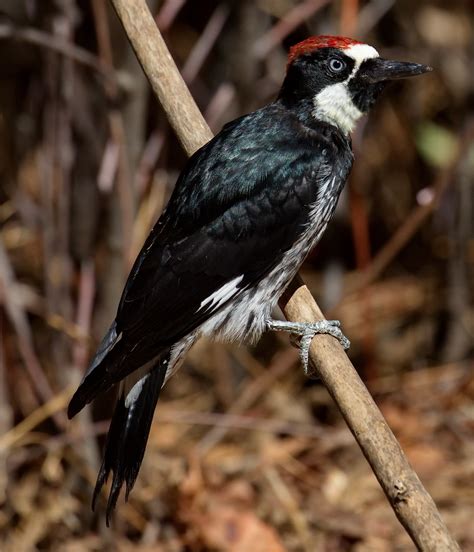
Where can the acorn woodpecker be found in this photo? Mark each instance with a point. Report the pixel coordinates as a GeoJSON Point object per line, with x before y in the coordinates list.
{"type": "Point", "coordinates": [245, 212]}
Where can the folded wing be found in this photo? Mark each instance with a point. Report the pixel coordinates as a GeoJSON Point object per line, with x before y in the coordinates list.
{"type": "Point", "coordinates": [220, 234]}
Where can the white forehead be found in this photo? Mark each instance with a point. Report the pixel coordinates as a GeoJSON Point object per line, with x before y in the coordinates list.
{"type": "Point", "coordinates": [361, 52]}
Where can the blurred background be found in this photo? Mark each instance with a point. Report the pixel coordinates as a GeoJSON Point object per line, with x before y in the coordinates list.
{"type": "Point", "coordinates": [246, 454]}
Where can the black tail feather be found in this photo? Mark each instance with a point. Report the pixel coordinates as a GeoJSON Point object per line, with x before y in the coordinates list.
{"type": "Point", "coordinates": [127, 437]}
{"type": "Point", "coordinates": [97, 378]}
{"type": "Point", "coordinates": [112, 446]}
{"type": "Point", "coordinates": [92, 385]}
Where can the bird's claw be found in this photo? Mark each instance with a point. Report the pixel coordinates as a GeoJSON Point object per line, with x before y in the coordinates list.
{"type": "Point", "coordinates": [329, 327]}
{"type": "Point", "coordinates": [307, 330]}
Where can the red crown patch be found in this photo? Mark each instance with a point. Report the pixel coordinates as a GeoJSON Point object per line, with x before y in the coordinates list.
{"type": "Point", "coordinates": [315, 42]}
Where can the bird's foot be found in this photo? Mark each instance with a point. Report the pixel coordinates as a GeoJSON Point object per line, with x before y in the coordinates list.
{"type": "Point", "coordinates": [306, 331]}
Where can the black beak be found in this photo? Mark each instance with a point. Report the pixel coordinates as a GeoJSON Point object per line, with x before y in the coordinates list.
{"type": "Point", "coordinates": [379, 70]}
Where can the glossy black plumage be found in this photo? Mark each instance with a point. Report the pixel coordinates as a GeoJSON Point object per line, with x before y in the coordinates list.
{"type": "Point", "coordinates": [242, 201]}
{"type": "Point", "coordinates": [240, 204]}
{"type": "Point", "coordinates": [127, 437]}
{"type": "Point", "coordinates": [245, 212]}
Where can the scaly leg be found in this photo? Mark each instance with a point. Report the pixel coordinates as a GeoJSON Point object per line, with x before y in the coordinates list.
{"type": "Point", "coordinates": [307, 330]}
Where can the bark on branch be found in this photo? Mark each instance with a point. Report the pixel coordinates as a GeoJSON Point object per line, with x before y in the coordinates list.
{"type": "Point", "coordinates": [412, 504]}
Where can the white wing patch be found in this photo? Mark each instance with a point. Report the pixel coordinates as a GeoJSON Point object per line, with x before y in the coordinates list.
{"type": "Point", "coordinates": [221, 295]}
{"type": "Point", "coordinates": [135, 391]}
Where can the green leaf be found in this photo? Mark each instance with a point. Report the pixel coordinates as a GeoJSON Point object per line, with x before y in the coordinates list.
{"type": "Point", "coordinates": [436, 144]}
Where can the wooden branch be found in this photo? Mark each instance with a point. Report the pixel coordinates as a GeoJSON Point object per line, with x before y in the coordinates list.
{"type": "Point", "coordinates": [412, 504]}
{"type": "Point", "coordinates": [165, 79]}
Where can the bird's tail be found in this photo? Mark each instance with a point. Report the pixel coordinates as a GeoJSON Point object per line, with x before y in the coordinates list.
{"type": "Point", "coordinates": [128, 433]}
{"type": "Point", "coordinates": [98, 377]}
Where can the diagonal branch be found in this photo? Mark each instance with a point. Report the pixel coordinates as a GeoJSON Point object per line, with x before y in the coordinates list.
{"type": "Point", "coordinates": [413, 506]}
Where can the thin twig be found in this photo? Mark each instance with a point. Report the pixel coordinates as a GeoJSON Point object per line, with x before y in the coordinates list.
{"type": "Point", "coordinates": [348, 19]}
{"type": "Point", "coordinates": [108, 166]}
{"type": "Point", "coordinates": [205, 43]}
{"type": "Point", "coordinates": [219, 103]}
{"type": "Point", "coordinates": [182, 112]}
{"type": "Point", "coordinates": [358, 215]}
{"type": "Point", "coordinates": [412, 504]}
{"type": "Point", "coordinates": [288, 23]}
{"type": "Point", "coordinates": [6, 414]}
{"type": "Point", "coordinates": [85, 302]}
{"type": "Point", "coordinates": [168, 13]}
{"type": "Point", "coordinates": [230, 422]}
{"type": "Point", "coordinates": [148, 159]}
{"type": "Point", "coordinates": [258, 386]}
{"type": "Point", "coordinates": [20, 323]}
{"type": "Point", "coordinates": [61, 148]}
{"type": "Point", "coordinates": [290, 504]}
{"type": "Point", "coordinates": [59, 45]}
{"type": "Point", "coordinates": [371, 14]}
{"type": "Point", "coordinates": [418, 216]}
{"type": "Point", "coordinates": [54, 406]}
{"type": "Point", "coordinates": [117, 130]}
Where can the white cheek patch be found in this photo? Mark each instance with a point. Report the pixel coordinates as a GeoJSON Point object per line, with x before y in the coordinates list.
{"type": "Point", "coordinates": [335, 106]}
{"type": "Point", "coordinates": [334, 103]}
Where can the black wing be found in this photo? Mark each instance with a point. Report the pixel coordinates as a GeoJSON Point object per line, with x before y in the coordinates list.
{"type": "Point", "coordinates": [240, 203]}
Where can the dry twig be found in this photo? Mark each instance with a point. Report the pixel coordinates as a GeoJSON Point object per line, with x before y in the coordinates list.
{"type": "Point", "coordinates": [419, 214]}
{"type": "Point", "coordinates": [59, 45]}
{"type": "Point", "coordinates": [412, 504]}
{"type": "Point", "coordinates": [288, 23]}
{"type": "Point", "coordinates": [205, 43]}
{"type": "Point", "coordinates": [20, 323]}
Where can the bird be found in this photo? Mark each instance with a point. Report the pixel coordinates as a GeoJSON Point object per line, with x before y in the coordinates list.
{"type": "Point", "coordinates": [245, 212]}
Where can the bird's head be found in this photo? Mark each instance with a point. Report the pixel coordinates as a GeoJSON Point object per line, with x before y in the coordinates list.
{"type": "Point", "coordinates": [339, 78]}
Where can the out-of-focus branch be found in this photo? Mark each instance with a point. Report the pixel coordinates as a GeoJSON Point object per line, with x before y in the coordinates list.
{"type": "Point", "coordinates": [168, 85]}
{"type": "Point", "coordinates": [205, 43]}
{"type": "Point", "coordinates": [419, 214]}
{"type": "Point", "coordinates": [289, 22]}
{"type": "Point", "coordinates": [57, 44]}
{"type": "Point", "coordinates": [168, 13]}
{"type": "Point", "coordinates": [412, 504]}
{"type": "Point", "coordinates": [19, 321]}
{"type": "Point", "coordinates": [121, 229]}
{"type": "Point", "coordinates": [348, 17]}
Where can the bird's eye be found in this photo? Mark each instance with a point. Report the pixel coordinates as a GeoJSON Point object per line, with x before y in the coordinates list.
{"type": "Point", "coordinates": [336, 65]}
